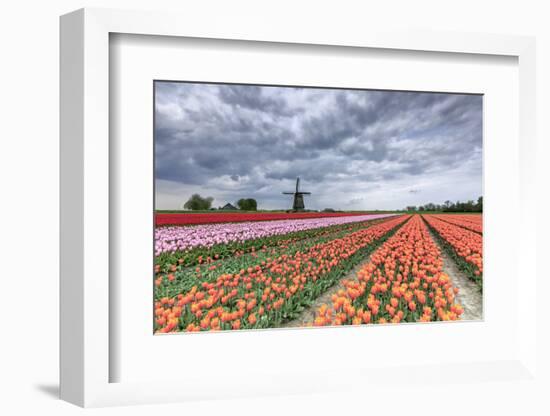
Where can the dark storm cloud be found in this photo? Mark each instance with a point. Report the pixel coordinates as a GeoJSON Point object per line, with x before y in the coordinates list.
{"type": "Point", "coordinates": [247, 141]}
{"type": "Point", "coordinates": [252, 98]}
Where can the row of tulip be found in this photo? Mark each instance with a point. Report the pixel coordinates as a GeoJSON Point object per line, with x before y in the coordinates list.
{"type": "Point", "coordinates": [403, 282]}
{"type": "Point", "coordinates": [192, 218]}
{"type": "Point", "coordinates": [471, 222]}
{"type": "Point", "coordinates": [171, 239]}
{"type": "Point", "coordinates": [465, 246]}
{"type": "Point", "coordinates": [270, 292]}
{"type": "Point", "coordinates": [178, 278]}
{"type": "Point", "coordinates": [170, 262]}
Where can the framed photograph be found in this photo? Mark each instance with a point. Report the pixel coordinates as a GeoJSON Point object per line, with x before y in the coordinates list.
{"type": "Point", "coordinates": [270, 212]}
{"type": "Point", "coordinates": [267, 260]}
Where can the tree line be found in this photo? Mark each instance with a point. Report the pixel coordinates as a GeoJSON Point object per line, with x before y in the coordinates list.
{"type": "Point", "coordinates": [198, 203]}
{"type": "Point", "coordinates": [449, 206]}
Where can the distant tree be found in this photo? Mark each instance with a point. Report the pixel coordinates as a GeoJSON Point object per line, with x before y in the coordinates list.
{"type": "Point", "coordinates": [479, 205]}
{"type": "Point", "coordinates": [329, 210]}
{"type": "Point", "coordinates": [469, 206]}
{"type": "Point", "coordinates": [247, 204]}
{"type": "Point", "coordinates": [448, 206]}
{"type": "Point", "coordinates": [429, 207]}
{"type": "Point", "coordinates": [197, 202]}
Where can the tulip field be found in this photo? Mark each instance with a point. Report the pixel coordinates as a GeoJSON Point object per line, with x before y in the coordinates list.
{"type": "Point", "coordinates": [222, 272]}
{"type": "Point", "coordinates": [463, 238]}
{"type": "Point", "coordinates": [403, 281]}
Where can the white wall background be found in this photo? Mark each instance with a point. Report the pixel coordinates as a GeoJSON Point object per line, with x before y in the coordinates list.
{"type": "Point", "coordinates": [29, 208]}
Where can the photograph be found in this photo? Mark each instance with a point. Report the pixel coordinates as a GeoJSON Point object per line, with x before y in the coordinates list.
{"type": "Point", "coordinates": [281, 206]}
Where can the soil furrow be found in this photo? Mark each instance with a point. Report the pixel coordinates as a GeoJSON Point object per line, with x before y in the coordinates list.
{"type": "Point", "coordinates": [469, 295]}
{"type": "Point", "coordinates": [308, 315]}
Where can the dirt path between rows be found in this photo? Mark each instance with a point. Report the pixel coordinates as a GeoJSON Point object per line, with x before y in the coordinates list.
{"type": "Point", "coordinates": [308, 315]}
{"type": "Point", "coordinates": [469, 295]}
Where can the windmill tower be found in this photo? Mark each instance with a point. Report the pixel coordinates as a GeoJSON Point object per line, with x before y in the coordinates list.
{"type": "Point", "coordinates": [298, 204]}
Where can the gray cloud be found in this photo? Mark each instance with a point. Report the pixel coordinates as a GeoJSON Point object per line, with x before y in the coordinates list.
{"type": "Point", "coordinates": [351, 148]}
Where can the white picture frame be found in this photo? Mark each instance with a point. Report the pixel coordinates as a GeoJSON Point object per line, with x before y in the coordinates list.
{"type": "Point", "coordinates": [85, 204]}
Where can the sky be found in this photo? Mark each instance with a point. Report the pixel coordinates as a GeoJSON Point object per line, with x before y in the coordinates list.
{"type": "Point", "coordinates": [352, 149]}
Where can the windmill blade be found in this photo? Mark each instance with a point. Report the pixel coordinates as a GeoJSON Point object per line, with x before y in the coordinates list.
{"type": "Point", "coordinates": [288, 193]}
{"type": "Point", "coordinates": [297, 184]}
{"type": "Point", "coordinates": [305, 193]}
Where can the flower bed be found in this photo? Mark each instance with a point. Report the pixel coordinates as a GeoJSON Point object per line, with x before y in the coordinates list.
{"type": "Point", "coordinates": [263, 292]}
{"type": "Point", "coordinates": [465, 246]}
{"type": "Point", "coordinates": [403, 282]}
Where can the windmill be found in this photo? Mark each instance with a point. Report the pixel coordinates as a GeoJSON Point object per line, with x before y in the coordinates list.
{"type": "Point", "coordinates": [298, 204]}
